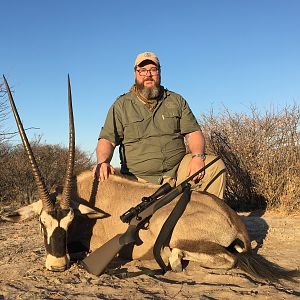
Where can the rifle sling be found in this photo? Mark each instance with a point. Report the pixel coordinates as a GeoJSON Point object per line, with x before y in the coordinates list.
{"type": "Point", "coordinates": [166, 231]}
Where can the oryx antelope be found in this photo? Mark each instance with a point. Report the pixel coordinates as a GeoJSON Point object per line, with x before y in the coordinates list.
{"type": "Point", "coordinates": [209, 232]}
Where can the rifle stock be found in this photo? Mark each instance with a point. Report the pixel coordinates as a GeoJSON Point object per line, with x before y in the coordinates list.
{"type": "Point", "coordinates": [98, 260]}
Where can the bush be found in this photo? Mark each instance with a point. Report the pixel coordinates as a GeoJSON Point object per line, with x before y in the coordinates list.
{"type": "Point", "coordinates": [17, 182]}
{"type": "Point", "coordinates": [262, 156]}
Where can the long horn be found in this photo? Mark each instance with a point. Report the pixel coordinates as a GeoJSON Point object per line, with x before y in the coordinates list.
{"type": "Point", "coordinates": [66, 197]}
{"type": "Point", "coordinates": [41, 187]}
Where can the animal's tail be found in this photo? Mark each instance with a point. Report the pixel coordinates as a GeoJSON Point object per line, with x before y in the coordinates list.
{"type": "Point", "coordinates": [259, 267]}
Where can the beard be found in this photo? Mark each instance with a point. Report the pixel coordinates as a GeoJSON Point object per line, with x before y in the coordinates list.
{"type": "Point", "coordinates": [149, 93]}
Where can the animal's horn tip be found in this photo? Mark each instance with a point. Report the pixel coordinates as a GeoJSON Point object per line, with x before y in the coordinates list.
{"type": "Point", "coordinates": [6, 83]}
{"type": "Point", "coordinates": [69, 81]}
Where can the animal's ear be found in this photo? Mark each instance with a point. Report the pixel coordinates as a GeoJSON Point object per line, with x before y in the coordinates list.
{"type": "Point", "coordinates": [91, 213]}
{"type": "Point", "coordinates": [24, 213]}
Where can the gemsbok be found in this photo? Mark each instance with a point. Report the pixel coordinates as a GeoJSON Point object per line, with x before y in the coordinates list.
{"type": "Point", "coordinates": [87, 212]}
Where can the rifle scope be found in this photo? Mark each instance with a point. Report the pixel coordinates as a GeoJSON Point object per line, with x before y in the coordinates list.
{"type": "Point", "coordinates": [146, 201]}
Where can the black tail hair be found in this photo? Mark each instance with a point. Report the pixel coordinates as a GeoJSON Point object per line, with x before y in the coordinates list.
{"type": "Point", "coordinates": [257, 266]}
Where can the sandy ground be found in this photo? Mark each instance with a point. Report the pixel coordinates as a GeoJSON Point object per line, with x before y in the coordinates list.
{"type": "Point", "coordinates": [23, 275]}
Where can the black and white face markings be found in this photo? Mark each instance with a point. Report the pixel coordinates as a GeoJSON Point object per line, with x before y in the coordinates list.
{"type": "Point", "coordinates": [54, 225]}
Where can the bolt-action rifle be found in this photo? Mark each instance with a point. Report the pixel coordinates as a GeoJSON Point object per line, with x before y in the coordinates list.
{"type": "Point", "coordinates": [137, 217]}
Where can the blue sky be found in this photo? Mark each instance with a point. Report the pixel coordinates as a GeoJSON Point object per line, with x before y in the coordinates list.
{"type": "Point", "coordinates": [215, 53]}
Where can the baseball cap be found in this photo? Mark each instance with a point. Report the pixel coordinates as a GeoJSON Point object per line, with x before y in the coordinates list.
{"type": "Point", "coordinates": [146, 56]}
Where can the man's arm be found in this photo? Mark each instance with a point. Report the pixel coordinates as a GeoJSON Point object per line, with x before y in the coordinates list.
{"type": "Point", "coordinates": [104, 152]}
{"type": "Point", "coordinates": [196, 144]}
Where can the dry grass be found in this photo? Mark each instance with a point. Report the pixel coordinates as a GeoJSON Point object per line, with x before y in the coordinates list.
{"type": "Point", "coordinates": [262, 155]}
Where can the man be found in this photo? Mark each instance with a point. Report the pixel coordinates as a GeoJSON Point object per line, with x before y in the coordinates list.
{"type": "Point", "coordinates": [154, 127]}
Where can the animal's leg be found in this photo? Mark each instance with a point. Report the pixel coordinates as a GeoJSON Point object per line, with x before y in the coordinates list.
{"type": "Point", "coordinates": [206, 254]}
{"type": "Point", "coordinates": [165, 254]}
{"type": "Point", "coordinates": [175, 260]}
{"type": "Point", "coordinates": [211, 255]}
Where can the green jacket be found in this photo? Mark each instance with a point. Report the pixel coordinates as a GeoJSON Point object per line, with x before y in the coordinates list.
{"type": "Point", "coordinates": [151, 143]}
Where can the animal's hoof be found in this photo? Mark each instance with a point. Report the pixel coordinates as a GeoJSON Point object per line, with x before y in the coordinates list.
{"type": "Point", "coordinates": [175, 260]}
{"type": "Point", "coordinates": [176, 267]}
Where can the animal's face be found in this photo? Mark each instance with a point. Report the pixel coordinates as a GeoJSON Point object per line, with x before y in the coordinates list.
{"type": "Point", "coordinates": [54, 225]}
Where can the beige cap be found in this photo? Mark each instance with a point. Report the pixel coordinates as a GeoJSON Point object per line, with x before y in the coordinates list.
{"type": "Point", "coordinates": [146, 56]}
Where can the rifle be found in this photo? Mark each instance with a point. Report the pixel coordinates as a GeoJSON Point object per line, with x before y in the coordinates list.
{"type": "Point", "coordinates": [136, 217]}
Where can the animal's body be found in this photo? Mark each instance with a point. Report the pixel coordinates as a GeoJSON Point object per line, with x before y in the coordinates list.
{"type": "Point", "coordinates": [117, 195]}
{"type": "Point", "coordinates": [203, 234]}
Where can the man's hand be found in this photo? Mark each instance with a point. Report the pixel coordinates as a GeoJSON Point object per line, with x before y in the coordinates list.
{"type": "Point", "coordinates": [196, 164]}
{"type": "Point", "coordinates": [104, 151]}
{"type": "Point", "coordinates": [102, 171]}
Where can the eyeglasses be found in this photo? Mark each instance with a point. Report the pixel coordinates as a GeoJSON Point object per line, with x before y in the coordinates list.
{"type": "Point", "coordinates": [143, 72]}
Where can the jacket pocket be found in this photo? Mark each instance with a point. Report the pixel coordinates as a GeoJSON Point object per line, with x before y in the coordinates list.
{"type": "Point", "coordinates": [170, 122]}
{"type": "Point", "coordinates": [133, 128]}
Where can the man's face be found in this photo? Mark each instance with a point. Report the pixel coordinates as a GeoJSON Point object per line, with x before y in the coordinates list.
{"type": "Point", "coordinates": [147, 79]}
